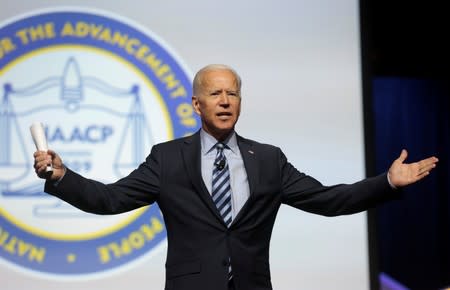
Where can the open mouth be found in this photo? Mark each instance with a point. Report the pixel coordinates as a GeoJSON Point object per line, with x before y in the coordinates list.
{"type": "Point", "coordinates": [224, 114]}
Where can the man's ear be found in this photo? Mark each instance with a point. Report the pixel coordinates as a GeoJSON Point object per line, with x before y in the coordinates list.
{"type": "Point", "coordinates": [196, 104]}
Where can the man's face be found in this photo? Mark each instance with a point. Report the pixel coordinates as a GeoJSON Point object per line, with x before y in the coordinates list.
{"type": "Point", "coordinates": [218, 102]}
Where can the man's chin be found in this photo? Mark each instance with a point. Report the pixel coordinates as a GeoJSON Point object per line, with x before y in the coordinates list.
{"type": "Point", "coordinates": [224, 131]}
{"type": "Point", "coordinates": [221, 133]}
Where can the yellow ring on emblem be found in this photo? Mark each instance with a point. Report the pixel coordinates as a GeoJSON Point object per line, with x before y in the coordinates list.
{"type": "Point", "coordinates": [165, 111]}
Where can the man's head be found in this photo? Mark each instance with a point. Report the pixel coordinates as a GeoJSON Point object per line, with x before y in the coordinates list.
{"type": "Point", "coordinates": [217, 99]}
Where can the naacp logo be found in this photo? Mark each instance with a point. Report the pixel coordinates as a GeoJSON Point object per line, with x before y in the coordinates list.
{"type": "Point", "coordinates": [106, 91]}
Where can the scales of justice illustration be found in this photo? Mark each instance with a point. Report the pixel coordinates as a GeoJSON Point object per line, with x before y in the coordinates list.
{"type": "Point", "coordinates": [71, 97]}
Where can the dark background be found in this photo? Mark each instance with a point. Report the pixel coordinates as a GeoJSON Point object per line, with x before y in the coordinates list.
{"type": "Point", "coordinates": [406, 63]}
{"type": "Point", "coordinates": [407, 38]}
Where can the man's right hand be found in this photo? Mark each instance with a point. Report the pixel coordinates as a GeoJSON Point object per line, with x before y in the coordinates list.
{"type": "Point", "coordinates": [42, 159]}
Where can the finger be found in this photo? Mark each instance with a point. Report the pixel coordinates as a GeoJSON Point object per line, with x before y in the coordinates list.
{"type": "Point", "coordinates": [426, 168]}
{"type": "Point", "coordinates": [39, 153]}
{"type": "Point", "coordinates": [42, 163]}
{"type": "Point", "coordinates": [403, 156]}
{"type": "Point", "coordinates": [40, 170]}
{"type": "Point", "coordinates": [55, 156]}
{"type": "Point", "coordinates": [422, 175]}
{"type": "Point", "coordinates": [37, 166]}
{"type": "Point", "coordinates": [43, 159]}
{"type": "Point", "coordinates": [428, 161]}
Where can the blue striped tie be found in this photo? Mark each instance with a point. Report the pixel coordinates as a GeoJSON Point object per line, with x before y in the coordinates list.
{"type": "Point", "coordinates": [221, 189]}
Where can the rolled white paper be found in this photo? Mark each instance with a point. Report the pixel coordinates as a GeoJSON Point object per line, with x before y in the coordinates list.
{"type": "Point", "coordinates": [38, 134]}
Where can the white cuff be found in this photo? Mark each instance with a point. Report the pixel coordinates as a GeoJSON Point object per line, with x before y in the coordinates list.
{"type": "Point", "coordinates": [390, 183]}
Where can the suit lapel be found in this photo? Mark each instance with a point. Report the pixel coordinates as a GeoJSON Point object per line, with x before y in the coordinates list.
{"type": "Point", "coordinates": [250, 162]}
{"type": "Point", "coordinates": [249, 156]}
{"type": "Point", "coordinates": [191, 152]}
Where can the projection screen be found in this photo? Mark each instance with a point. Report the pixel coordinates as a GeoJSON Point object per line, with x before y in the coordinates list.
{"type": "Point", "coordinates": [83, 70]}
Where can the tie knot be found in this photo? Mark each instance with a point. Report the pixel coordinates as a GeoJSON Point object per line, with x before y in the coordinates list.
{"type": "Point", "coordinates": [220, 146]}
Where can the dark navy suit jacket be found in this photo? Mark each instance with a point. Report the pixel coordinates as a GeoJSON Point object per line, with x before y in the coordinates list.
{"type": "Point", "coordinates": [199, 243]}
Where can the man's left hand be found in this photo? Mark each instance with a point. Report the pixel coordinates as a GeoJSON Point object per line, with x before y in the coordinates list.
{"type": "Point", "coordinates": [402, 174]}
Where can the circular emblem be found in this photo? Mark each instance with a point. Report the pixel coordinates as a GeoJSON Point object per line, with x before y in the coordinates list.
{"type": "Point", "coordinates": [106, 91]}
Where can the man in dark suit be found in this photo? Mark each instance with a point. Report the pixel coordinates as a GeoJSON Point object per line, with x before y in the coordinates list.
{"type": "Point", "coordinates": [219, 192]}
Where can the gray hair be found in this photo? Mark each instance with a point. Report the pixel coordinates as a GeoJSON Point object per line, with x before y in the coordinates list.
{"type": "Point", "coordinates": [198, 79]}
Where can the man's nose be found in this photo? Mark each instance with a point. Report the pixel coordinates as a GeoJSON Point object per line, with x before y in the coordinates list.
{"type": "Point", "coordinates": [224, 99]}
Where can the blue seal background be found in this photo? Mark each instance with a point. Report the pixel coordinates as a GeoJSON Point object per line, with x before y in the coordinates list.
{"type": "Point", "coordinates": [60, 18]}
{"type": "Point", "coordinates": [87, 261]}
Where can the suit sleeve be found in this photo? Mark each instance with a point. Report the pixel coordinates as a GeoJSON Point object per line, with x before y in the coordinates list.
{"type": "Point", "coordinates": [306, 193]}
{"type": "Point", "coordinates": [141, 187]}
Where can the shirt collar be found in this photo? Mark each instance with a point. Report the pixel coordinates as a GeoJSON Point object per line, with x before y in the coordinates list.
{"type": "Point", "coordinates": [208, 142]}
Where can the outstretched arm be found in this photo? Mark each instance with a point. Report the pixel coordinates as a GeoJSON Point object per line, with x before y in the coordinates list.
{"type": "Point", "coordinates": [403, 174]}
{"type": "Point", "coordinates": [306, 193]}
{"type": "Point", "coordinates": [139, 188]}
